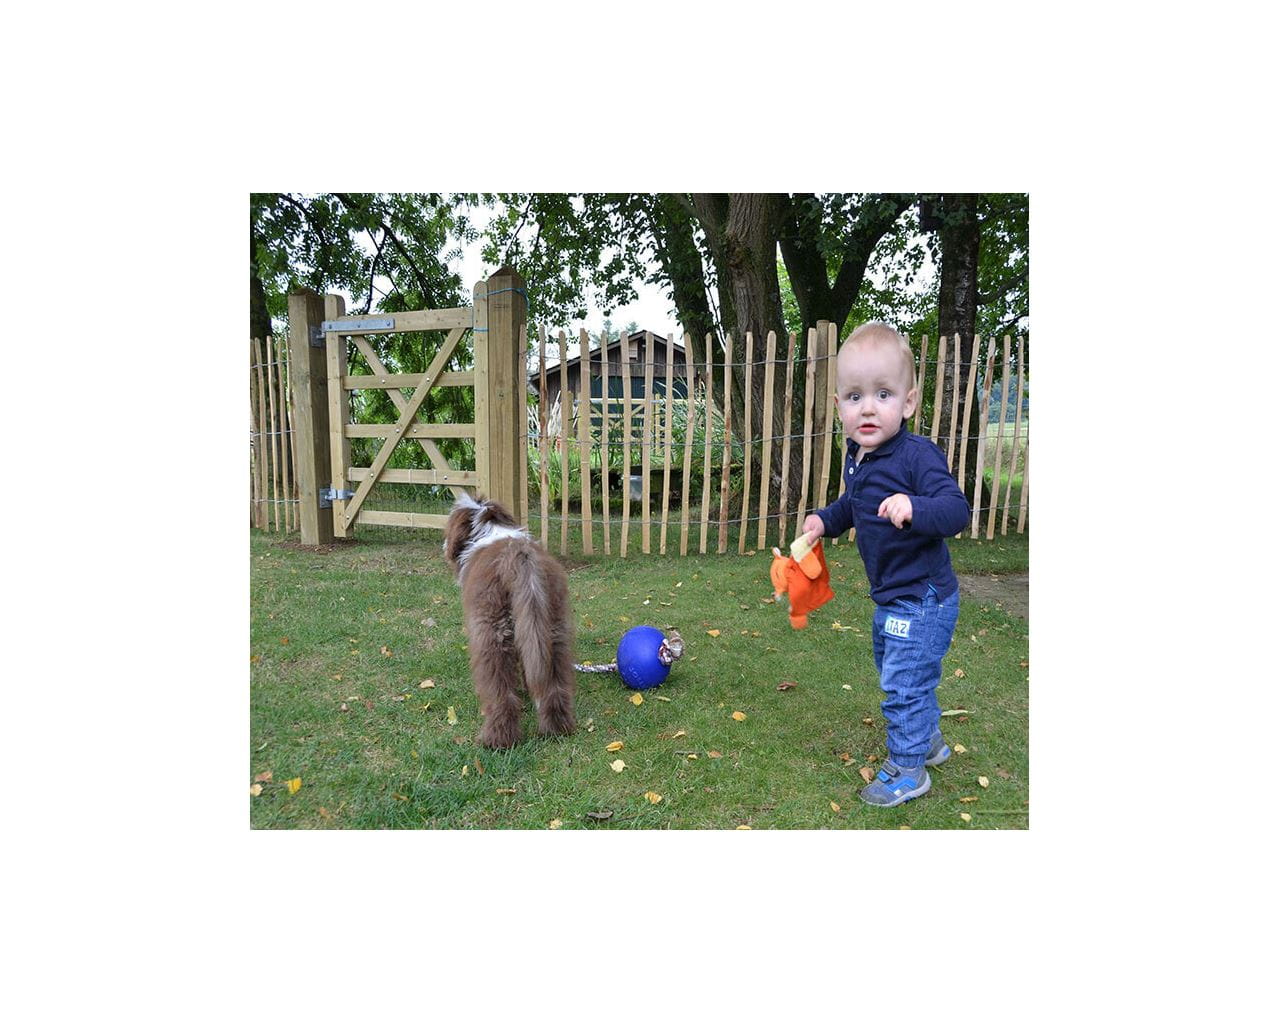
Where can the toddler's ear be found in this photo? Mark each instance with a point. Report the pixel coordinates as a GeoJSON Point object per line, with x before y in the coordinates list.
{"type": "Point", "coordinates": [909, 406]}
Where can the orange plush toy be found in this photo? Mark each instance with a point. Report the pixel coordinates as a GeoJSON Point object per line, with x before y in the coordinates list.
{"type": "Point", "coordinates": [803, 577]}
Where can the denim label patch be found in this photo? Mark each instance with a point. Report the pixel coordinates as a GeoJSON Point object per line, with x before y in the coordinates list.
{"type": "Point", "coordinates": [897, 627]}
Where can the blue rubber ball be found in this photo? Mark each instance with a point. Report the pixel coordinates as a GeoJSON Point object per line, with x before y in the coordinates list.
{"type": "Point", "coordinates": [638, 662]}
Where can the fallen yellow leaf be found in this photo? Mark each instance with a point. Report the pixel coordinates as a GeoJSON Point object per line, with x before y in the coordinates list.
{"type": "Point", "coordinates": [255, 789]}
{"type": "Point", "coordinates": [868, 721]}
{"type": "Point", "coordinates": [835, 806]}
{"type": "Point", "coordinates": [983, 781]}
{"type": "Point", "coordinates": [555, 823]}
{"type": "Point", "coordinates": [866, 772]}
{"type": "Point", "coordinates": [966, 816]}
{"type": "Point", "coordinates": [713, 632]}
{"type": "Point", "coordinates": [618, 765]}
{"type": "Point", "coordinates": [636, 699]}
{"type": "Point", "coordinates": [658, 696]}
{"type": "Point", "coordinates": [426, 684]}
{"type": "Point", "coordinates": [615, 745]}
{"type": "Point", "coordinates": [653, 798]}
{"type": "Point", "coordinates": [294, 785]}
{"type": "Point", "coordinates": [451, 716]}
{"type": "Point", "coordinates": [464, 770]}
{"type": "Point", "coordinates": [677, 734]}
{"type": "Point", "coordinates": [846, 686]}
{"type": "Point", "coordinates": [743, 828]}
{"type": "Point", "coordinates": [968, 799]}
{"type": "Point", "coordinates": [386, 652]}
{"type": "Point", "coordinates": [738, 716]}
{"type": "Point", "coordinates": [959, 673]}
{"type": "Point", "coordinates": [692, 757]}
{"type": "Point", "coordinates": [507, 792]}
{"type": "Point", "coordinates": [960, 748]}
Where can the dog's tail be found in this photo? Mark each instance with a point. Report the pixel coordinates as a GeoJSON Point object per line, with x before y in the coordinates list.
{"type": "Point", "coordinates": [542, 642]}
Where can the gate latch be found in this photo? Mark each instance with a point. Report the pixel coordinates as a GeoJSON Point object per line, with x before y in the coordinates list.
{"type": "Point", "coordinates": [330, 494]}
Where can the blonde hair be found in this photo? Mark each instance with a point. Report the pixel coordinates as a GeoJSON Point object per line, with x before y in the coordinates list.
{"type": "Point", "coordinates": [878, 332]}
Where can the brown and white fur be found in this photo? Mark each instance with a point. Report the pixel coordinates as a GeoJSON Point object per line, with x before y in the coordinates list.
{"type": "Point", "coordinates": [515, 603]}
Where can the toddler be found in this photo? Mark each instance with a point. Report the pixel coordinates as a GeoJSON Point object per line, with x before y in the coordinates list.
{"type": "Point", "coordinates": [902, 502]}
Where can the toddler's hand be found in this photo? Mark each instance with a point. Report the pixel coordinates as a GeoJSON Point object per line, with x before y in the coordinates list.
{"type": "Point", "coordinates": [897, 509]}
{"type": "Point", "coordinates": [812, 529]}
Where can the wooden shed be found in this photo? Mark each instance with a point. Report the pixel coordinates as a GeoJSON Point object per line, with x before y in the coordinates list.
{"type": "Point", "coordinates": [661, 352]}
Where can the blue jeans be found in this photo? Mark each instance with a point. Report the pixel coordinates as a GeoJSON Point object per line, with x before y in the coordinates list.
{"type": "Point", "coordinates": [909, 639]}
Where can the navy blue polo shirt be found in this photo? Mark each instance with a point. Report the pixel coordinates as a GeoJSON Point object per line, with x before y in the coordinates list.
{"type": "Point", "coordinates": [901, 563]}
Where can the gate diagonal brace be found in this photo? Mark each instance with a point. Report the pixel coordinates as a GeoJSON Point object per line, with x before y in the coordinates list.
{"type": "Point", "coordinates": [330, 494]}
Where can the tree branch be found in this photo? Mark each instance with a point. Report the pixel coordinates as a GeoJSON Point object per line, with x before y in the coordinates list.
{"type": "Point", "coordinates": [872, 225]}
{"type": "Point", "coordinates": [1011, 323]}
{"type": "Point", "coordinates": [373, 268]}
{"type": "Point", "coordinates": [423, 286]}
{"type": "Point", "coordinates": [806, 268]}
{"type": "Point", "coordinates": [516, 233]}
{"type": "Point", "coordinates": [316, 229]}
{"type": "Point", "coordinates": [1001, 289]}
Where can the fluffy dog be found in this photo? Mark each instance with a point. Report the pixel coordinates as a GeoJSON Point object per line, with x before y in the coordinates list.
{"type": "Point", "coordinates": [515, 603]}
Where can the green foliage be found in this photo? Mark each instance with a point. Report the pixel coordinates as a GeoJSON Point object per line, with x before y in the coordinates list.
{"type": "Point", "coordinates": [1003, 262]}
{"type": "Point", "coordinates": [569, 247]}
{"type": "Point", "coordinates": [352, 241]}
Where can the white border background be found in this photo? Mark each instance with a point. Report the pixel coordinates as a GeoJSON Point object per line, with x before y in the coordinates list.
{"type": "Point", "coordinates": [137, 883]}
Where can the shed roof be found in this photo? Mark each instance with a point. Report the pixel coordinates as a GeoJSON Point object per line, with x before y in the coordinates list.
{"type": "Point", "coordinates": [615, 344]}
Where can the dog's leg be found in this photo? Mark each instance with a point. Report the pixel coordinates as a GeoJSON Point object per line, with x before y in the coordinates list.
{"type": "Point", "coordinates": [554, 693]}
{"type": "Point", "coordinates": [496, 677]}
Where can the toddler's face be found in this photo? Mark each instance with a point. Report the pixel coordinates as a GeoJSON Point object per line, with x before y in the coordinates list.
{"type": "Point", "coordinates": [873, 395]}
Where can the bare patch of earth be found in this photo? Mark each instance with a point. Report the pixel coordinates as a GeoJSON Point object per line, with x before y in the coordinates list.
{"type": "Point", "coordinates": [1009, 591]}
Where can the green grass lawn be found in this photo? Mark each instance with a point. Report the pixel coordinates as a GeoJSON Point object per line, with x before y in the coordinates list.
{"type": "Point", "coordinates": [341, 640]}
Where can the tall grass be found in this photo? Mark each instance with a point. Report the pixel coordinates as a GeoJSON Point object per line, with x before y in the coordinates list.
{"type": "Point", "coordinates": [687, 417]}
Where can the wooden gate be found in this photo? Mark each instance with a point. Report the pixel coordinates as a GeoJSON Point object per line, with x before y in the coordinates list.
{"type": "Point", "coordinates": [496, 325]}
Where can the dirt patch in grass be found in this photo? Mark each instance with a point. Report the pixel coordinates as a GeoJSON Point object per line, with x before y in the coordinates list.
{"type": "Point", "coordinates": [1010, 590]}
{"type": "Point", "coordinates": [338, 543]}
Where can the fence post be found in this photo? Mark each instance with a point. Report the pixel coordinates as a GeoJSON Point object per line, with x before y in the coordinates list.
{"type": "Point", "coordinates": [505, 387]}
{"type": "Point", "coordinates": [309, 381]}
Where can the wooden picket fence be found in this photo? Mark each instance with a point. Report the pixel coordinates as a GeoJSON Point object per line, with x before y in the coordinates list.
{"type": "Point", "coordinates": [272, 456]}
{"type": "Point", "coordinates": [734, 491]}
{"type": "Point", "coordinates": [566, 430]}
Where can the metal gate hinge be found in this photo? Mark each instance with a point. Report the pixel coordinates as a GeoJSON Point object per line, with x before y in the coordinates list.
{"type": "Point", "coordinates": [359, 324]}
{"type": "Point", "coordinates": [316, 337]}
{"type": "Point", "coordinates": [329, 495]}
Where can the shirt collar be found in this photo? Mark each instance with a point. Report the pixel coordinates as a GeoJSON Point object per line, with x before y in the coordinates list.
{"type": "Point", "coordinates": [884, 449]}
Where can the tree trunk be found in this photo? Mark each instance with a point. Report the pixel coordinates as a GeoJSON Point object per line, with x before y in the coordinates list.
{"type": "Point", "coordinates": [955, 218]}
{"type": "Point", "coordinates": [742, 230]}
{"type": "Point", "coordinates": [681, 262]}
{"type": "Point", "coordinates": [816, 297]}
{"type": "Point", "coordinates": [259, 318]}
